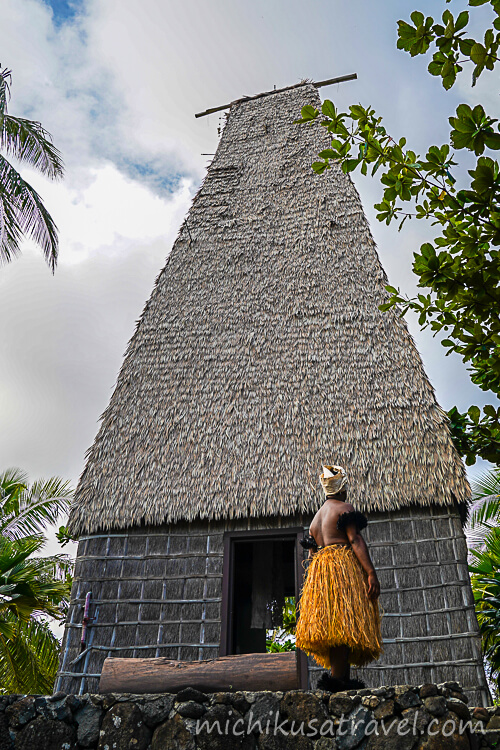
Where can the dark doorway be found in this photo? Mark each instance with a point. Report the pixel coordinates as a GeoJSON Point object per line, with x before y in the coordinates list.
{"type": "Point", "coordinates": [260, 568]}
{"type": "Point", "coordinates": [263, 580]}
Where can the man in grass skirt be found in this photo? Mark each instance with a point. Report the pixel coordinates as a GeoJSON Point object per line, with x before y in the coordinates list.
{"type": "Point", "coordinates": [339, 622]}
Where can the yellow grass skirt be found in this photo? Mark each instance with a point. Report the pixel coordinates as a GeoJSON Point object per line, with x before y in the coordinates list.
{"type": "Point", "coordinates": [335, 609]}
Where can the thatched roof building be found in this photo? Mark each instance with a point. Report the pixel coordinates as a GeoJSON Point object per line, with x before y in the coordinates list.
{"type": "Point", "coordinates": [260, 355]}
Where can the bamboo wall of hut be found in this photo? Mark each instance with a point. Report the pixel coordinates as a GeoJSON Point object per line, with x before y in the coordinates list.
{"type": "Point", "coordinates": [157, 591]}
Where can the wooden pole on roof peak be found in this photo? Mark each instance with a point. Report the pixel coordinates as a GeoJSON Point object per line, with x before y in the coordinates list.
{"type": "Point", "coordinates": [318, 84]}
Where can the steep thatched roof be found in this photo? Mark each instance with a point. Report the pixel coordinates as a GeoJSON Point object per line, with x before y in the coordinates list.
{"type": "Point", "coordinates": [262, 353]}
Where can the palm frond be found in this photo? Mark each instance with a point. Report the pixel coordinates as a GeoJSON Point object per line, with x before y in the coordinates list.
{"type": "Point", "coordinates": [13, 554]}
{"type": "Point", "coordinates": [31, 586]}
{"type": "Point", "coordinates": [29, 142]}
{"type": "Point", "coordinates": [12, 480]}
{"type": "Point", "coordinates": [58, 566]}
{"type": "Point", "coordinates": [485, 510]}
{"type": "Point", "coordinates": [5, 80]}
{"type": "Point", "coordinates": [22, 212]}
{"type": "Point", "coordinates": [10, 231]}
{"type": "Point", "coordinates": [485, 580]}
{"type": "Point", "coordinates": [29, 511]}
{"type": "Point", "coordinates": [487, 483]}
{"type": "Point", "coordinates": [29, 658]}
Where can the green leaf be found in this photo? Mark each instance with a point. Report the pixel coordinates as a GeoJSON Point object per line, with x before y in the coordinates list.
{"type": "Point", "coordinates": [449, 79]}
{"type": "Point", "coordinates": [357, 111]}
{"type": "Point", "coordinates": [490, 411]}
{"type": "Point", "coordinates": [466, 45]}
{"type": "Point", "coordinates": [349, 165]}
{"type": "Point", "coordinates": [478, 54]}
{"type": "Point", "coordinates": [415, 39]}
{"type": "Point", "coordinates": [309, 113]}
{"type": "Point", "coordinates": [436, 65]}
{"type": "Point", "coordinates": [320, 166]}
{"type": "Point", "coordinates": [488, 38]}
{"type": "Point", "coordinates": [492, 140]}
{"type": "Point", "coordinates": [474, 413]}
{"type": "Point", "coordinates": [484, 176]}
{"type": "Point", "coordinates": [328, 153]}
{"type": "Point", "coordinates": [462, 20]}
{"type": "Point", "coordinates": [328, 109]}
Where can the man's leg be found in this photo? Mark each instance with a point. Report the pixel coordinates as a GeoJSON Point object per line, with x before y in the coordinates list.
{"type": "Point", "coordinates": [339, 662]}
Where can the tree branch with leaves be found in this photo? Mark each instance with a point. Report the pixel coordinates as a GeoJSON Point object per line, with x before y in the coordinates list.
{"type": "Point", "coordinates": [460, 269]}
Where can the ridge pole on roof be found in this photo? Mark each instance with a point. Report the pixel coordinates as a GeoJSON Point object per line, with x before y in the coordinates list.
{"type": "Point", "coordinates": [318, 84]}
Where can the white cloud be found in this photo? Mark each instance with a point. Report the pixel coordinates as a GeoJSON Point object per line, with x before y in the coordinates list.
{"type": "Point", "coordinates": [106, 210]}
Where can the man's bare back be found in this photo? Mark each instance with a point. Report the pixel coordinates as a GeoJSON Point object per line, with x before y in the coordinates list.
{"type": "Point", "coordinates": [324, 530]}
{"type": "Point", "coordinates": [324, 524]}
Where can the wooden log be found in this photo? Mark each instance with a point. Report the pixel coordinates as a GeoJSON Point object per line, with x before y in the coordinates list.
{"type": "Point", "coordinates": [269, 671]}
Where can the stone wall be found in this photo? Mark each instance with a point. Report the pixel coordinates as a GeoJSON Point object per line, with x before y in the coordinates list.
{"type": "Point", "coordinates": [401, 717]}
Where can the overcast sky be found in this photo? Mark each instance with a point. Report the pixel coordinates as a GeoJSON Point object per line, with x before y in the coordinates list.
{"type": "Point", "coordinates": [117, 83]}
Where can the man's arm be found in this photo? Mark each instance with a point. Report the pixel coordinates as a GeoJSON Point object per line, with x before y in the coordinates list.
{"type": "Point", "coordinates": [360, 549]}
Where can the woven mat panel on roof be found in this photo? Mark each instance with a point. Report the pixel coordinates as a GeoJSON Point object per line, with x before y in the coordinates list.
{"type": "Point", "coordinates": [262, 353]}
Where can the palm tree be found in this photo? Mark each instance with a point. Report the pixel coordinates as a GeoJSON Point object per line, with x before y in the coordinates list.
{"type": "Point", "coordinates": [485, 580]}
{"type": "Point", "coordinates": [485, 507]}
{"type": "Point", "coordinates": [21, 209]}
{"type": "Point", "coordinates": [32, 588]}
{"type": "Point", "coordinates": [484, 565]}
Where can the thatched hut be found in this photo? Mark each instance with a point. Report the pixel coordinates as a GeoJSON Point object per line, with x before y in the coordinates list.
{"type": "Point", "coordinates": [260, 355]}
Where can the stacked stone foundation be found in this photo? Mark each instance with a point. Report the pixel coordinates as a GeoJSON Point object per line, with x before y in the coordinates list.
{"type": "Point", "coordinates": [400, 717]}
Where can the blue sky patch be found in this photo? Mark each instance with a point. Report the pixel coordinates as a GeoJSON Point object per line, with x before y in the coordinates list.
{"type": "Point", "coordinates": [160, 178]}
{"type": "Point", "coordinates": [64, 10]}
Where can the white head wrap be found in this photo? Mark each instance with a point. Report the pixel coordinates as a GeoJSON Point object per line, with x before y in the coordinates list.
{"type": "Point", "coordinates": [333, 479]}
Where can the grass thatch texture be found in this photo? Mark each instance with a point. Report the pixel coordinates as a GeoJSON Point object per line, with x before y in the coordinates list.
{"type": "Point", "coordinates": [262, 354]}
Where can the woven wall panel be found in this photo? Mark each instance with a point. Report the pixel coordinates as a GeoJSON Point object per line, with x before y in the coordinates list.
{"type": "Point", "coordinates": [413, 627]}
{"type": "Point", "coordinates": [382, 556]}
{"type": "Point", "coordinates": [213, 611]}
{"type": "Point", "coordinates": [188, 653]}
{"type": "Point", "coordinates": [212, 632]}
{"type": "Point", "coordinates": [391, 627]}
{"type": "Point", "coordinates": [427, 550]}
{"type": "Point", "coordinates": [193, 588]}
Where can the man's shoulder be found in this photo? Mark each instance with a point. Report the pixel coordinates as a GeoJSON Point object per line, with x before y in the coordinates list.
{"type": "Point", "coordinates": [346, 508]}
{"type": "Point", "coordinates": [334, 511]}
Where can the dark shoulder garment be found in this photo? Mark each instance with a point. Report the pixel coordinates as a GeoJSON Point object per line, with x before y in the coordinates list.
{"type": "Point", "coordinates": [352, 516]}
{"type": "Point", "coordinates": [308, 542]}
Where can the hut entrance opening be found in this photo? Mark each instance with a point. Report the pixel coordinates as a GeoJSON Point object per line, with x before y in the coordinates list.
{"type": "Point", "coordinates": [262, 578]}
